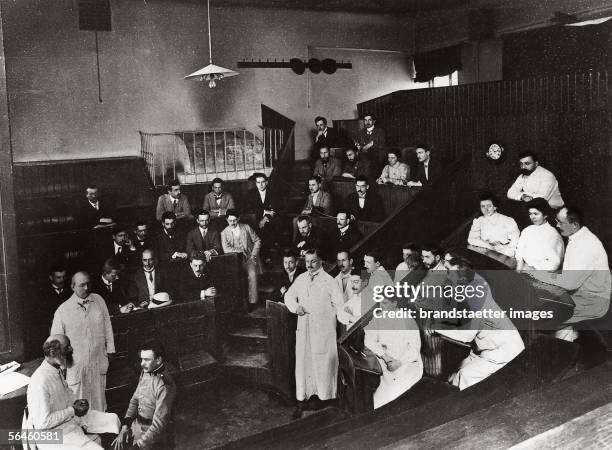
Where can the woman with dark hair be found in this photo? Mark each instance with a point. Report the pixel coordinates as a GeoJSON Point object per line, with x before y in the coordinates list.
{"type": "Point", "coordinates": [540, 246]}
{"type": "Point", "coordinates": [493, 230]}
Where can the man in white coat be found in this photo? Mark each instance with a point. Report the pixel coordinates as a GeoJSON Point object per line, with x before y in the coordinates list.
{"type": "Point", "coordinates": [315, 297]}
{"type": "Point", "coordinates": [85, 320]}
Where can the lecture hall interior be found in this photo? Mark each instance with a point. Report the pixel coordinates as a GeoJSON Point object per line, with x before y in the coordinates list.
{"type": "Point", "coordinates": [273, 163]}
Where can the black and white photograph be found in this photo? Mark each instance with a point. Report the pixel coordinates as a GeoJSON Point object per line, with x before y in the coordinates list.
{"type": "Point", "coordinates": [305, 224]}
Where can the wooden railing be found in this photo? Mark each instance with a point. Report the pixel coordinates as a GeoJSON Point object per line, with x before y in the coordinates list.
{"type": "Point", "coordinates": [202, 155]}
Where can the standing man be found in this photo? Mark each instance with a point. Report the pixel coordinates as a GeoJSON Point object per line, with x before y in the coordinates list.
{"type": "Point", "coordinates": [241, 238]}
{"type": "Point", "coordinates": [327, 167]}
{"type": "Point", "coordinates": [362, 204]}
{"type": "Point", "coordinates": [148, 417]}
{"type": "Point", "coordinates": [535, 181]}
{"type": "Point", "coordinates": [345, 266]}
{"type": "Point", "coordinates": [175, 202]}
{"type": "Point", "coordinates": [93, 213]}
{"type": "Point", "coordinates": [218, 201]}
{"type": "Point", "coordinates": [52, 405]}
{"type": "Point", "coordinates": [289, 275]}
{"type": "Point", "coordinates": [371, 140]}
{"type": "Point", "coordinates": [266, 206]}
{"type": "Point", "coordinates": [85, 320]}
{"type": "Point", "coordinates": [315, 297]}
{"type": "Point", "coordinates": [204, 238]}
{"type": "Point", "coordinates": [424, 174]}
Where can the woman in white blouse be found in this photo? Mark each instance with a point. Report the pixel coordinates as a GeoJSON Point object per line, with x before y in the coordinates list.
{"type": "Point", "coordinates": [493, 230]}
{"type": "Point", "coordinates": [540, 246]}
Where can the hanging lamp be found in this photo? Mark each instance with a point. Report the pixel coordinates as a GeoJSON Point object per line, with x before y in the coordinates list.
{"type": "Point", "coordinates": [211, 72]}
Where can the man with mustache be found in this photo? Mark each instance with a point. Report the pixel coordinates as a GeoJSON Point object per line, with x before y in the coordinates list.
{"type": "Point", "coordinates": [84, 319]}
{"type": "Point", "coordinates": [51, 403]}
{"type": "Point", "coordinates": [535, 181]}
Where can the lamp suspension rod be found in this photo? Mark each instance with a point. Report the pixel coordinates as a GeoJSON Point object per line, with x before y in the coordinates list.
{"type": "Point", "coordinates": [209, 40]}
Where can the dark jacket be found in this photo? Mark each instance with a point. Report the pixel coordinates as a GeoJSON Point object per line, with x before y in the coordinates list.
{"type": "Point", "coordinates": [189, 286]}
{"type": "Point", "coordinates": [372, 210]}
{"type": "Point", "coordinates": [346, 241]}
{"type": "Point", "coordinates": [211, 241]}
{"type": "Point", "coordinates": [284, 281]}
{"type": "Point", "coordinates": [253, 203]}
{"type": "Point", "coordinates": [114, 299]}
{"type": "Point", "coordinates": [138, 291]}
{"type": "Point", "coordinates": [167, 245]}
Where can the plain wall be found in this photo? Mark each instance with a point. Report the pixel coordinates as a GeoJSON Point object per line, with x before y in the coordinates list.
{"type": "Point", "coordinates": [52, 82]}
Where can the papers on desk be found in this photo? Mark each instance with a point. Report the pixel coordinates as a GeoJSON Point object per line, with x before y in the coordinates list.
{"type": "Point", "coordinates": [12, 381]}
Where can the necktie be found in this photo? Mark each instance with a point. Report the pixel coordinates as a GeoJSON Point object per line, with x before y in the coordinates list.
{"type": "Point", "coordinates": [150, 276]}
{"type": "Point", "coordinates": [344, 283]}
{"type": "Point", "coordinates": [174, 205]}
{"type": "Point", "coordinates": [119, 249]}
{"type": "Point", "coordinates": [312, 276]}
{"type": "Point", "coordinates": [109, 287]}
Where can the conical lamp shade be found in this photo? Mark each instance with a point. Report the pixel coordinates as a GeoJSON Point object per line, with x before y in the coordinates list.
{"type": "Point", "coordinates": [211, 72]}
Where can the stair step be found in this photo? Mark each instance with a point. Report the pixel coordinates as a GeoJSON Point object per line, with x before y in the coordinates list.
{"type": "Point", "coordinates": [253, 339]}
{"type": "Point", "coordinates": [197, 367]}
{"type": "Point", "coordinates": [247, 367]}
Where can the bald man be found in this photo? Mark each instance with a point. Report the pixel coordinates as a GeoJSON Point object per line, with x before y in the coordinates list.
{"type": "Point", "coordinates": [52, 406]}
{"type": "Point", "coordinates": [85, 320]}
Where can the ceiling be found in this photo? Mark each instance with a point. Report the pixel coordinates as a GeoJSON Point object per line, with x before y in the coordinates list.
{"type": "Point", "coordinates": [362, 6]}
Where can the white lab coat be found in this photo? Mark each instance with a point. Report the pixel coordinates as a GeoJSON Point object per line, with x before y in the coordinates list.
{"type": "Point", "coordinates": [91, 335]}
{"type": "Point", "coordinates": [403, 343]}
{"type": "Point", "coordinates": [316, 354]}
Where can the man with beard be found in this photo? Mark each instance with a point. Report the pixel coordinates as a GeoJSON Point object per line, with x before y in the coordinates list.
{"type": "Point", "coordinates": [170, 243]}
{"type": "Point", "coordinates": [315, 298]}
{"type": "Point", "coordinates": [327, 167]}
{"type": "Point", "coordinates": [85, 320]}
{"type": "Point", "coordinates": [354, 165]}
{"type": "Point", "coordinates": [535, 181]}
{"type": "Point", "coordinates": [309, 236]}
{"type": "Point", "coordinates": [52, 405]}
{"type": "Point", "coordinates": [141, 239]}
{"type": "Point", "coordinates": [150, 411]}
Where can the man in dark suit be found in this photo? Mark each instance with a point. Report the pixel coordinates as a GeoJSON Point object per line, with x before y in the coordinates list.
{"type": "Point", "coordinates": [309, 237]}
{"type": "Point", "coordinates": [346, 234]}
{"type": "Point", "coordinates": [290, 273]}
{"type": "Point", "coordinates": [265, 206]}
{"type": "Point", "coordinates": [326, 136]}
{"type": "Point", "coordinates": [364, 204]}
{"type": "Point", "coordinates": [194, 283]}
{"type": "Point", "coordinates": [110, 287]}
{"type": "Point", "coordinates": [92, 212]}
{"type": "Point", "coordinates": [148, 280]}
{"type": "Point", "coordinates": [424, 174]}
{"type": "Point", "coordinates": [203, 238]}
{"type": "Point", "coordinates": [371, 142]}
{"type": "Point", "coordinates": [142, 239]}
{"type": "Point", "coordinates": [355, 165]}
{"type": "Point", "coordinates": [51, 295]}
{"type": "Point", "coordinates": [120, 248]}
{"type": "Point", "coordinates": [170, 244]}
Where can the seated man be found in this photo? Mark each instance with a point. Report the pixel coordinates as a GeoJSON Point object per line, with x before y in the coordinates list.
{"type": "Point", "coordinates": [395, 172]}
{"type": "Point", "coordinates": [265, 205]}
{"type": "Point", "coordinates": [424, 174]}
{"type": "Point", "coordinates": [170, 244]}
{"type": "Point", "coordinates": [146, 422]}
{"type": "Point", "coordinates": [326, 137]}
{"type": "Point", "coordinates": [397, 343]}
{"type": "Point", "coordinates": [241, 238]}
{"type": "Point", "coordinates": [431, 254]}
{"type": "Point", "coordinates": [586, 273]}
{"type": "Point", "coordinates": [327, 167]}
{"type": "Point", "coordinates": [120, 248]}
{"type": "Point", "coordinates": [352, 311]}
{"type": "Point", "coordinates": [52, 406]}
{"type": "Point", "coordinates": [142, 240]}
{"type": "Point", "coordinates": [535, 181]}
{"type": "Point", "coordinates": [173, 202]}
{"type": "Point", "coordinates": [346, 234]}
{"type": "Point", "coordinates": [203, 238]}
{"type": "Point", "coordinates": [364, 204]}
{"type": "Point", "coordinates": [319, 202]}
{"type": "Point", "coordinates": [355, 165]}
{"type": "Point", "coordinates": [344, 261]}
{"type": "Point", "coordinates": [494, 338]}
{"type": "Point", "coordinates": [93, 213]}
{"type": "Point", "coordinates": [290, 273]}
{"type": "Point", "coordinates": [372, 263]}
{"type": "Point", "coordinates": [493, 230]}
{"type": "Point", "coordinates": [194, 283]}
{"type": "Point", "coordinates": [218, 201]}
{"type": "Point", "coordinates": [109, 286]}
{"type": "Point", "coordinates": [148, 280]}
{"type": "Point", "coordinates": [308, 237]}
{"type": "Point", "coordinates": [403, 268]}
